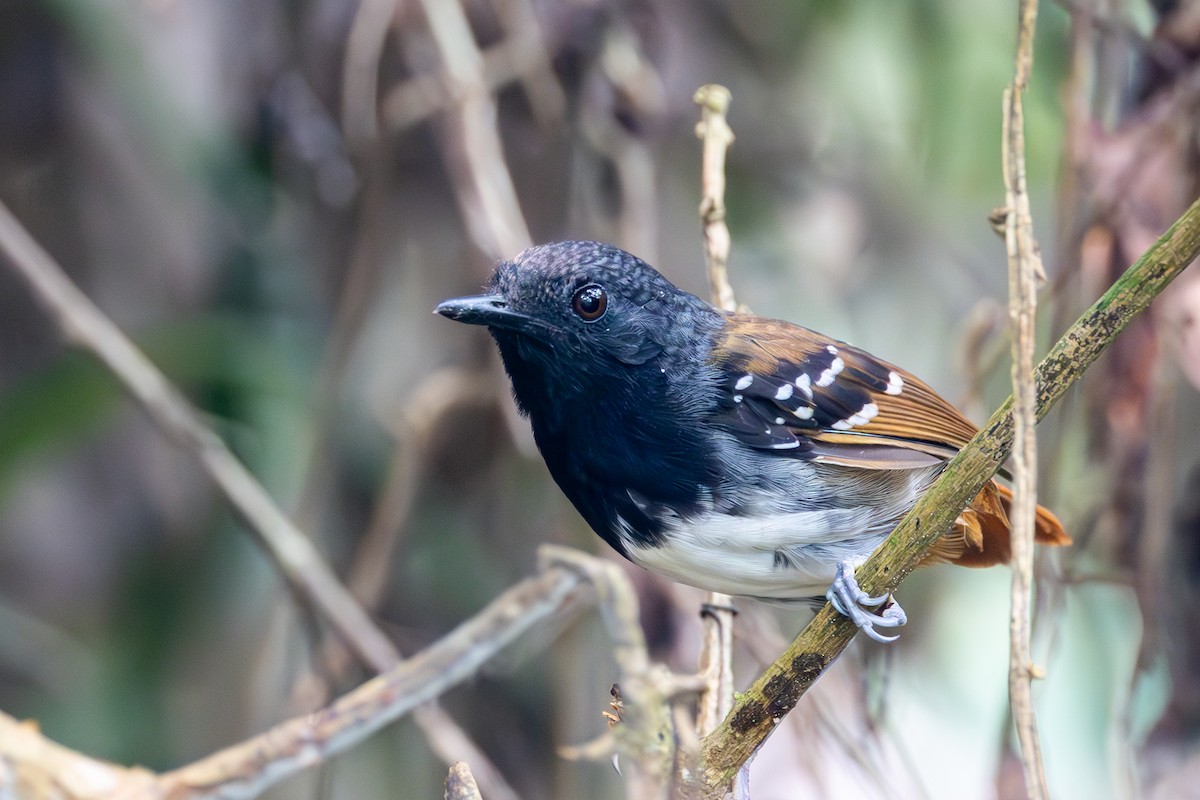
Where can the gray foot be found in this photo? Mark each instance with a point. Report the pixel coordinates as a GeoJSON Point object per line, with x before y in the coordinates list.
{"type": "Point", "coordinates": [846, 596]}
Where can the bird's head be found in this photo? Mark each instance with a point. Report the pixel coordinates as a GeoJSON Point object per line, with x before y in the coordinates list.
{"type": "Point", "coordinates": [583, 307]}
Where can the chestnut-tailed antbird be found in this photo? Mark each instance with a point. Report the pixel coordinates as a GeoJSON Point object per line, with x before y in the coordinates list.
{"type": "Point", "coordinates": [726, 451]}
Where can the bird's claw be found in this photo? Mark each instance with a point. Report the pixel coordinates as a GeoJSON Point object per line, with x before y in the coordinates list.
{"type": "Point", "coordinates": [851, 601]}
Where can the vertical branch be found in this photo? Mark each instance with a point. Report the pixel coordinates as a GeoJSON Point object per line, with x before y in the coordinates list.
{"type": "Point", "coordinates": [1024, 268]}
{"type": "Point", "coordinates": [714, 131]}
{"type": "Point", "coordinates": [716, 655]}
{"type": "Point", "coordinates": [484, 185]}
{"type": "Point", "coordinates": [460, 783]}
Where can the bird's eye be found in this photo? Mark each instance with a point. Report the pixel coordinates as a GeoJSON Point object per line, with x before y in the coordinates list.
{"type": "Point", "coordinates": [590, 302]}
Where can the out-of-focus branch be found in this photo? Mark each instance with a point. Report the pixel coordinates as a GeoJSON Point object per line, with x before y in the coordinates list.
{"type": "Point", "coordinates": [622, 91]}
{"type": "Point", "coordinates": [716, 655]}
{"type": "Point", "coordinates": [647, 739]}
{"type": "Point", "coordinates": [474, 154]}
{"type": "Point", "coordinates": [360, 72]}
{"type": "Point", "coordinates": [360, 125]}
{"type": "Point", "coordinates": [82, 323]}
{"type": "Point", "coordinates": [29, 762]}
{"type": "Point", "coordinates": [717, 136]}
{"type": "Point", "coordinates": [756, 713]}
{"type": "Point", "coordinates": [1024, 270]}
{"type": "Point", "coordinates": [521, 56]}
{"type": "Point", "coordinates": [525, 53]}
{"type": "Point", "coordinates": [460, 783]}
{"type": "Point", "coordinates": [484, 185]}
{"type": "Point", "coordinates": [441, 394]}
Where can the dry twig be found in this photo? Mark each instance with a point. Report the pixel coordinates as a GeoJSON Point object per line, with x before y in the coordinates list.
{"type": "Point", "coordinates": [522, 56]}
{"type": "Point", "coordinates": [484, 186]}
{"type": "Point", "coordinates": [716, 657]}
{"type": "Point", "coordinates": [646, 735]}
{"type": "Point", "coordinates": [29, 762]}
{"type": "Point", "coordinates": [717, 136]}
{"type": "Point", "coordinates": [460, 783]}
{"type": "Point", "coordinates": [360, 71]}
{"type": "Point", "coordinates": [82, 323]}
{"type": "Point", "coordinates": [1024, 269]}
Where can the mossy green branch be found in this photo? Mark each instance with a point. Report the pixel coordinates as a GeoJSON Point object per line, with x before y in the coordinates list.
{"type": "Point", "coordinates": [759, 709]}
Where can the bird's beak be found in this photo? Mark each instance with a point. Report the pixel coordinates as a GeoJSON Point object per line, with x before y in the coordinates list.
{"type": "Point", "coordinates": [485, 309]}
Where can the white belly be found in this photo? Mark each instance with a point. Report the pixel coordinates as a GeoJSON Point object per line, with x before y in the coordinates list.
{"type": "Point", "coordinates": [785, 557]}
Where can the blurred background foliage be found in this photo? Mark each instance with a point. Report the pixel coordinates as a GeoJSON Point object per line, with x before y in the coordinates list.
{"type": "Point", "coordinates": [271, 196]}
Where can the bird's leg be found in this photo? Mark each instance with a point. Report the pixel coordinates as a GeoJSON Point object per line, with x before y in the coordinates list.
{"type": "Point", "coordinates": [846, 596]}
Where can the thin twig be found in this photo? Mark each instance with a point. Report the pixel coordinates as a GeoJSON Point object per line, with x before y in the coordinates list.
{"type": "Point", "coordinates": [1024, 268]}
{"type": "Point", "coordinates": [460, 783]}
{"type": "Point", "coordinates": [474, 154]}
{"type": "Point", "coordinates": [759, 709]}
{"type": "Point", "coordinates": [360, 123]}
{"type": "Point", "coordinates": [716, 655]}
{"type": "Point", "coordinates": [522, 56]}
{"type": "Point", "coordinates": [82, 323]}
{"type": "Point", "coordinates": [717, 136]}
{"type": "Point", "coordinates": [442, 394]}
{"type": "Point", "coordinates": [531, 62]}
{"type": "Point", "coordinates": [245, 770]}
{"type": "Point", "coordinates": [623, 81]}
{"type": "Point", "coordinates": [360, 71]}
{"type": "Point", "coordinates": [484, 186]}
{"type": "Point", "coordinates": [645, 737]}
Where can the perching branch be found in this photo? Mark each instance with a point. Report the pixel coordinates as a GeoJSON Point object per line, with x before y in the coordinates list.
{"type": "Point", "coordinates": [757, 712]}
{"type": "Point", "coordinates": [1024, 268]}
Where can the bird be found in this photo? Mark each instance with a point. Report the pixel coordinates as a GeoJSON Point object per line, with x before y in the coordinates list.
{"type": "Point", "coordinates": [723, 450]}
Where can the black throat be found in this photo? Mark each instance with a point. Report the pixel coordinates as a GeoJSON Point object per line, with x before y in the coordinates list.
{"type": "Point", "coordinates": [622, 441]}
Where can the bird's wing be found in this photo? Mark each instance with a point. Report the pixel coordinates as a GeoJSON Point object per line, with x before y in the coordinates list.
{"type": "Point", "coordinates": [790, 389]}
{"type": "Point", "coordinates": [784, 387]}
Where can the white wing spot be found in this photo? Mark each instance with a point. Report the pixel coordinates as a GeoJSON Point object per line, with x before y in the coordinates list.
{"type": "Point", "coordinates": [737, 398]}
{"type": "Point", "coordinates": [864, 415]}
{"type": "Point", "coordinates": [784, 392]}
{"type": "Point", "coordinates": [744, 383]}
{"type": "Point", "coordinates": [779, 420]}
{"type": "Point", "coordinates": [804, 412]}
{"type": "Point", "coordinates": [895, 383]}
{"type": "Point", "coordinates": [828, 375]}
{"type": "Point", "coordinates": [785, 445]}
{"type": "Point", "coordinates": [831, 349]}
{"type": "Point", "coordinates": [804, 384]}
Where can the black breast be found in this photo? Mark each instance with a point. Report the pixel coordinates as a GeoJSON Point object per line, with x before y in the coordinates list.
{"type": "Point", "coordinates": [618, 441]}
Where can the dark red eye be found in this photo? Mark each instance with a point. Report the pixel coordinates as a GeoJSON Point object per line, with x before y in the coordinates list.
{"type": "Point", "coordinates": [590, 302]}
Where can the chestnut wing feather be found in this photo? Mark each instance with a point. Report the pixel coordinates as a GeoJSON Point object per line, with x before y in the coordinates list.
{"type": "Point", "coordinates": [789, 388]}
